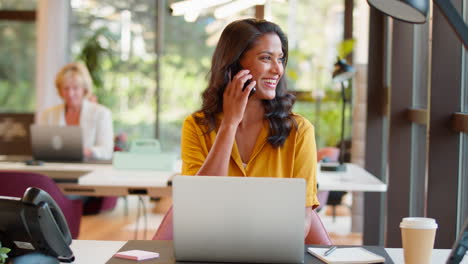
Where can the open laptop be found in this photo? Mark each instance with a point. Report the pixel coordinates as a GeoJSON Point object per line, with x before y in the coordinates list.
{"type": "Point", "coordinates": [239, 219]}
{"type": "Point", "coordinates": [57, 143]}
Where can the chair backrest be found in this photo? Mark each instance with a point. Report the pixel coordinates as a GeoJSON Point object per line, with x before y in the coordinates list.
{"type": "Point", "coordinates": [317, 235]}
{"type": "Point", "coordinates": [331, 153]}
{"type": "Point", "coordinates": [96, 205]}
{"type": "Point", "coordinates": [15, 183]}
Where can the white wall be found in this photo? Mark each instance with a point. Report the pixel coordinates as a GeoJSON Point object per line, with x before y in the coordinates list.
{"type": "Point", "coordinates": [52, 37]}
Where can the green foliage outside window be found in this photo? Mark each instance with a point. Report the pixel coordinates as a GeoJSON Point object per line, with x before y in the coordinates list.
{"type": "Point", "coordinates": [17, 66]}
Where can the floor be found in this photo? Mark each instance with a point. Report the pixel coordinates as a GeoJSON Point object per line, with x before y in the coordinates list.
{"type": "Point", "coordinates": [121, 225]}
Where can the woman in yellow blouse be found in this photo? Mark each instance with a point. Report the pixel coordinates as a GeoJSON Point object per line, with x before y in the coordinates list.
{"type": "Point", "coordinates": [236, 134]}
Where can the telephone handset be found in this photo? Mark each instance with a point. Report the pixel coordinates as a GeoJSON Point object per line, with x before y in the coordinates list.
{"type": "Point", "coordinates": [49, 209]}
{"type": "Point", "coordinates": [233, 70]}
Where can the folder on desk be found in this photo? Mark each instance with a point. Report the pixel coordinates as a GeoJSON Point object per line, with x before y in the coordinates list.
{"type": "Point", "coordinates": [145, 155]}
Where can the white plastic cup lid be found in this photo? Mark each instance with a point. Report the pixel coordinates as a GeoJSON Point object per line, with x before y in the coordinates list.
{"type": "Point", "coordinates": [418, 223]}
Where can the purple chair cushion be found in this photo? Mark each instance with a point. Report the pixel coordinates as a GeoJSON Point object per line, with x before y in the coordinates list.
{"type": "Point", "coordinates": [15, 183]}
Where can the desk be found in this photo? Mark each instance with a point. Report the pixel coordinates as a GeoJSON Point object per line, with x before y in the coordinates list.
{"type": "Point", "coordinates": [85, 252]}
{"type": "Point", "coordinates": [104, 180]}
{"type": "Point", "coordinates": [99, 179]}
{"type": "Point", "coordinates": [354, 179]}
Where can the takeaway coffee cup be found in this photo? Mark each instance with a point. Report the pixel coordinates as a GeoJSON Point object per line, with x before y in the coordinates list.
{"type": "Point", "coordinates": [418, 235]}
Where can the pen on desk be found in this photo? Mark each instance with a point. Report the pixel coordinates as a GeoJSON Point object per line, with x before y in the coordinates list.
{"type": "Point", "coordinates": [330, 250]}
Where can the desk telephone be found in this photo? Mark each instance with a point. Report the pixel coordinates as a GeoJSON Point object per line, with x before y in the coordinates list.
{"type": "Point", "coordinates": [34, 225]}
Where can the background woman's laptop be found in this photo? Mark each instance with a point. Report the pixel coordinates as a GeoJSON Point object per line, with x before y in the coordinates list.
{"type": "Point", "coordinates": [57, 143]}
{"type": "Point", "coordinates": [239, 219]}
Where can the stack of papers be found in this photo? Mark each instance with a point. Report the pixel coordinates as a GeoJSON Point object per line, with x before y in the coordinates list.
{"type": "Point", "coordinates": [346, 255]}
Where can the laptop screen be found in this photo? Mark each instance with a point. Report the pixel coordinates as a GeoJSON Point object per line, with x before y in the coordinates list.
{"type": "Point", "coordinates": [57, 143]}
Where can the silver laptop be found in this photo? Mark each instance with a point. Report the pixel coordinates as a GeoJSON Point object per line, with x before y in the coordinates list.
{"type": "Point", "coordinates": [239, 219]}
{"type": "Point", "coordinates": [57, 143]}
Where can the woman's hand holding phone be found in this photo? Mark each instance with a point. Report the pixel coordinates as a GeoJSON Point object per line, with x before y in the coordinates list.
{"type": "Point", "coordinates": [236, 96]}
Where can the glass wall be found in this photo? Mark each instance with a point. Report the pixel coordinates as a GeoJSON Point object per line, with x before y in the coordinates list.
{"type": "Point", "coordinates": [18, 5]}
{"type": "Point", "coordinates": [117, 39]}
{"type": "Point", "coordinates": [315, 31]}
{"type": "Point", "coordinates": [185, 66]}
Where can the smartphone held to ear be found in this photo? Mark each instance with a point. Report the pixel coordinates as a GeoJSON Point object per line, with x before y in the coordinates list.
{"type": "Point", "coordinates": [233, 70]}
{"type": "Point", "coordinates": [251, 91]}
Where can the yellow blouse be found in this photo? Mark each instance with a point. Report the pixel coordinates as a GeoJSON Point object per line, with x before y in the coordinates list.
{"type": "Point", "coordinates": [297, 158]}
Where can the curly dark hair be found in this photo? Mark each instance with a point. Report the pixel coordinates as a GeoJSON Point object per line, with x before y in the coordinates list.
{"type": "Point", "coordinates": [237, 38]}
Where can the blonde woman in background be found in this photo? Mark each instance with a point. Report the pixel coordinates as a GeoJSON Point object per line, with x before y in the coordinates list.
{"type": "Point", "coordinates": [74, 85]}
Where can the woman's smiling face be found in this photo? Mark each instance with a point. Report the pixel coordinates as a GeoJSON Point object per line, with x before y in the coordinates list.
{"type": "Point", "coordinates": [265, 62]}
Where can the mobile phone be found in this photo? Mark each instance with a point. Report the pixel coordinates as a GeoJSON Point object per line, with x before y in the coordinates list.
{"type": "Point", "coordinates": [460, 247]}
{"type": "Point", "coordinates": [233, 70]}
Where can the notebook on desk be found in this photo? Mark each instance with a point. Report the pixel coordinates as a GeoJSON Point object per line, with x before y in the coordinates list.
{"type": "Point", "coordinates": [238, 219]}
{"type": "Point", "coordinates": [57, 143]}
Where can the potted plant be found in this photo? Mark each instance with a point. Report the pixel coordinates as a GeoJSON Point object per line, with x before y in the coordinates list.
{"type": "Point", "coordinates": [3, 254]}
{"type": "Point", "coordinates": [93, 54]}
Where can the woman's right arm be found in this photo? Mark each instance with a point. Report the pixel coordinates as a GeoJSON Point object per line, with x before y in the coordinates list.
{"type": "Point", "coordinates": [216, 162]}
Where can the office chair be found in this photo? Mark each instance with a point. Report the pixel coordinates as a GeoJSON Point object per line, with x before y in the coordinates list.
{"type": "Point", "coordinates": [317, 235]}
{"type": "Point", "coordinates": [96, 205]}
{"type": "Point", "coordinates": [15, 183]}
{"type": "Point", "coordinates": [326, 154]}
{"type": "Point", "coordinates": [333, 198]}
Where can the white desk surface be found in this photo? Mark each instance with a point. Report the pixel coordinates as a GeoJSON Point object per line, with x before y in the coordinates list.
{"type": "Point", "coordinates": [97, 252]}
{"type": "Point", "coordinates": [104, 180]}
{"type": "Point", "coordinates": [104, 176]}
{"type": "Point", "coordinates": [52, 166]}
{"type": "Point", "coordinates": [354, 178]}
{"type": "Point", "coordinates": [100, 179]}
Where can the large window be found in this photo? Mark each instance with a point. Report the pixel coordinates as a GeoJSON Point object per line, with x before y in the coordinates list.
{"type": "Point", "coordinates": [25, 5]}
{"type": "Point", "coordinates": [122, 36]}
{"type": "Point", "coordinates": [17, 55]}
{"type": "Point", "coordinates": [116, 39]}
{"type": "Point", "coordinates": [314, 29]}
{"type": "Point", "coordinates": [186, 62]}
